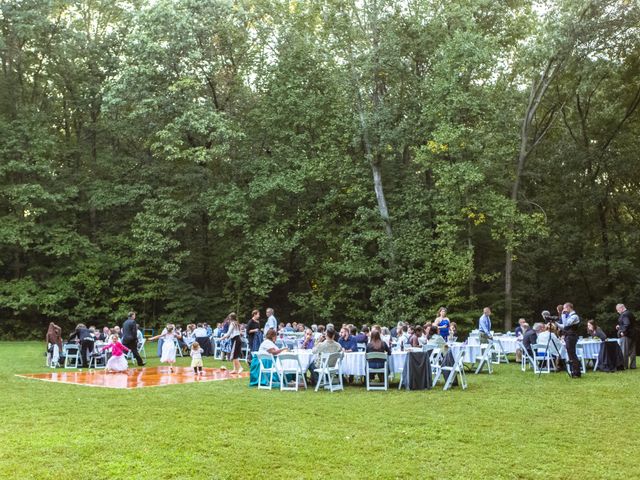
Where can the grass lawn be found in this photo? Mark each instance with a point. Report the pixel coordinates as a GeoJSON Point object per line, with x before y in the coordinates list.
{"type": "Point", "coordinates": [506, 425]}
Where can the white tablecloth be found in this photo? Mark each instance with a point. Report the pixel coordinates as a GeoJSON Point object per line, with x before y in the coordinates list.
{"type": "Point", "coordinates": [508, 342]}
{"type": "Point", "coordinates": [305, 357]}
{"type": "Point", "coordinates": [472, 353]}
{"type": "Point", "coordinates": [590, 348]}
{"type": "Point", "coordinates": [352, 364]}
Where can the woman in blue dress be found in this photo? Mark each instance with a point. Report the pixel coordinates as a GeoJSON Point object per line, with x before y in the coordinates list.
{"type": "Point", "coordinates": [442, 322]}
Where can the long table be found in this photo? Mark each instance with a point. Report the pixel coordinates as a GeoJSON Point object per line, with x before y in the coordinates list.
{"type": "Point", "coordinates": [353, 363]}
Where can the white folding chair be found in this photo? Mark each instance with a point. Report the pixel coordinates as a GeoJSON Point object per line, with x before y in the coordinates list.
{"type": "Point", "coordinates": [53, 355]}
{"type": "Point", "coordinates": [217, 351]}
{"type": "Point", "coordinates": [141, 350]}
{"type": "Point", "coordinates": [291, 367]}
{"type": "Point", "coordinates": [267, 367]}
{"type": "Point", "coordinates": [330, 368]}
{"type": "Point", "coordinates": [485, 358]}
{"type": "Point", "coordinates": [498, 353]}
{"type": "Point", "coordinates": [362, 347]}
{"type": "Point", "coordinates": [98, 359]}
{"type": "Point", "coordinates": [580, 355]}
{"type": "Point", "coordinates": [435, 359]}
{"type": "Point", "coordinates": [244, 352]}
{"type": "Point", "coordinates": [371, 371]}
{"type": "Point", "coordinates": [543, 359]}
{"type": "Point", "coordinates": [450, 372]}
{"type": "Point", "coordinates": [72, 356]}
{"type": "Point", "coordinates": [590, 353]}
{"type": "Point", "coordinates": [527, 359]}
{"type": "Point", "coordinates": [178, 347]}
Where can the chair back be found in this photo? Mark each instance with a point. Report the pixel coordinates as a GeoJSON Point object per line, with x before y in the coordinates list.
{"type": "Point", "coordinates": [362, 347]}
{"type": "Point", "coordinates": [333, 360]}
{"type": "Point", "coordinates": [263, 357]}
{"type": "Point", "coordinates": [291, 357]}
{"type": "Point", "coordinates": [376, 356]}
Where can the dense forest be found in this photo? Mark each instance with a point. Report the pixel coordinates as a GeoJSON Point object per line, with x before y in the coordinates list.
{"type": "Point", "coordinates": [338, 160]}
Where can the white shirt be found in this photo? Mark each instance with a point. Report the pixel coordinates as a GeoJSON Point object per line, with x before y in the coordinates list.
{"type": "Point", "coordinates": [271, 323]}
{"type": "Point", "coordinates": [554, 344]}
{"type": "Point", "coordinates": [200, 332]}
{"type": "Point", "coordinates": [266, 345]}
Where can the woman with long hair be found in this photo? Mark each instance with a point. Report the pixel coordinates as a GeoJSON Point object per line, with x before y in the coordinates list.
{"type": "Point", "coordinates": [54, 344]}
{"type": "Point", "coordinates": [234, 335]}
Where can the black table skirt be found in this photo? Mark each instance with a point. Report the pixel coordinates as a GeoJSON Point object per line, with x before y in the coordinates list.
{"type": "Point", "coordinates": [416, 374]}
{"type": "Point", "coordinates": [610, 357]}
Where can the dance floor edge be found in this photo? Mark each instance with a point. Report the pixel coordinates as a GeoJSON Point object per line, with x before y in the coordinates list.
{"type": "Point", "coordinates": [134, 377]}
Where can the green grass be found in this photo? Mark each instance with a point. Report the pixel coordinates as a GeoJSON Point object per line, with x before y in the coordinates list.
{"type": "Point", "coordinates": [506, 425]}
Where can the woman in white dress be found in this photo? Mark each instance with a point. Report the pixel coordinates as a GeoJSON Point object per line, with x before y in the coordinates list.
{"type": "Point", "coordinates": [168, 345]}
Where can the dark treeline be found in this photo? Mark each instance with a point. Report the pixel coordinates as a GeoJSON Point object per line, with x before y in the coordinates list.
{"type": "Point", "coordinates": [339, 160]}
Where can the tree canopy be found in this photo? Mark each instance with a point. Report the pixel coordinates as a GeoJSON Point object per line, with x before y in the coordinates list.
{"type": "Point", "coordinates": [338, 160]}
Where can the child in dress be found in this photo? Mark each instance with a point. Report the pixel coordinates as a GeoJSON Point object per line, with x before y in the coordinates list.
{"type": "Point", "coordinates": [117, 362]}
{"type": "Point", "coordinates": [169, 337]}
{"type": "Point", "coordinates": [196, 358]}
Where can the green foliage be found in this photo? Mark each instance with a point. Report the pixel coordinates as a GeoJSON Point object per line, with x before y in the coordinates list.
{"type": "Point", "coordinates": [189, 158]}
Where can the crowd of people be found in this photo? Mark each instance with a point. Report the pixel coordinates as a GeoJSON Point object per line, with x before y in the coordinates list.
{"type": "Point", "coordinates": [198, 339]}
{"type": "Point", "coordinates": [556, 331]}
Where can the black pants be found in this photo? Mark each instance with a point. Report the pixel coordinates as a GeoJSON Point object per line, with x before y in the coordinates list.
{"type": "Point", "coordinates": [86, 349]}
{"type": "Point", "coordinates": [571, 339]}
{"type": "Point", "coordinates": [133, 346]}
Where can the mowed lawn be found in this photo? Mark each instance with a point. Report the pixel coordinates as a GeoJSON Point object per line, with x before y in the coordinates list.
{"type": "Point", "coordinates": [506, 425]}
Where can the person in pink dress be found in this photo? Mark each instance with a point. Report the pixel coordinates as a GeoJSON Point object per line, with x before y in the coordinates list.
{"type": "Point", "coordinates": [117, 362]}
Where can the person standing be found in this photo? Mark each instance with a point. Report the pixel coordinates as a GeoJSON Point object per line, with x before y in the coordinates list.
{"type": "Point", "coordinates": [254, 335]}
{"type": "Point", "coordinates": [130, 337]}
{"type": "Point", "coordinates": [484, 326]}
{"type": "Point", "coordinates": [86, 341]}
{"type": "Point", "coordinates": [54, 344]}
{"type": "Point", "coordinates": [271, 321]}
{"type": "Point", "coordinates": [626, 331]}
{"type": "Point", "coordinates": [442, 322]}
{"type": "Point", "coordinates": [570, 321]}
{"type": "Point", "coordinates": [234, 335]}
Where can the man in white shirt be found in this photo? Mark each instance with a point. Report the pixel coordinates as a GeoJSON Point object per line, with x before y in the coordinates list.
{"type": "Point", "coordinates": [271, 321]}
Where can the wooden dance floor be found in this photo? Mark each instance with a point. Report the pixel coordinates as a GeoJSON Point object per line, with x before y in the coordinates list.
{"type": "Point", "coordinates": [135, 377]}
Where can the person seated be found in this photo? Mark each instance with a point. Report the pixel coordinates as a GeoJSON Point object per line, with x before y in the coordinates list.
{"type": "Point", "coordinates": [347, 341]}
{"type": "Point", "coordinates": [395, 331]}
{"type": "Point", "coordinates": [414, 340]}
{"type": "Point", "coordinates": [453, 330]}
{"type": "Point", "coordinates": [308, 341]}
{"type": "Point", "coordinates": [403, 337]}
{"type": "Point", "coordinates": [200, 335]}
{"type": "Point", "coordinates": [376, 344]}
{"type": "Point", "coordinates": [546, 336]}
{"type": "Point", "coordinates": [530, 337]}
{"type": "Point", "coordinates": [595, 331]}
{"type": "Point", "coordinates": [385, 335]}
{"type": "Point", "coordinates": [363, 336]}
{"type": "Point", "coordinates": [519, 331]}
{"type": "Point", "coordinates": [288, 328]}
{"type": "Point", "coordinates": [318, 334]}
{"type": "Point", "coordinates": [268, 345]}
{"type": "Point", "coordinates": [326, 345]}
{"type": "Point", "coordinates": [435, 338]}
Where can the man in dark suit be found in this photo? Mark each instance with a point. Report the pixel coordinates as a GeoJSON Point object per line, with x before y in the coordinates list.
{"type": "Point", "coordinates": [130, 337]}
{"type": "Point", "coordinates": [627, 332]}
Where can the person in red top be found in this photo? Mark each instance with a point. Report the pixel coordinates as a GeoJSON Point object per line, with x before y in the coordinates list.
{"type": "Point", "coordinates": [117, 362]}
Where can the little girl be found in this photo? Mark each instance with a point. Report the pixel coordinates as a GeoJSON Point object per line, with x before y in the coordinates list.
{"type": "Point", "coordinates": [196, 358]}
{"type": "Point", "coordinates": [117, 362]}
{"type": "Point", "coordinates": [168, 345]}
